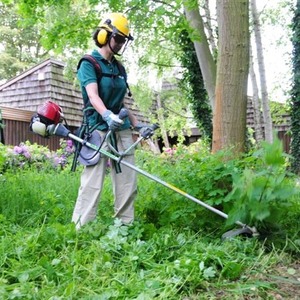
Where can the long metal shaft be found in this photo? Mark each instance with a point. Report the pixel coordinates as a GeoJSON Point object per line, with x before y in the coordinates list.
{"type": "Point", "coordinates": [154, 178]}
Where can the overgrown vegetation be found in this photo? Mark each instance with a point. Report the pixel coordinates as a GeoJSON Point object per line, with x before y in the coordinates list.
{"type": "Point", "coordinates": [295, 93]}
{"type": "Point", "coordinates": [193, 85]}
{"type": "Point", "coordinates": [172, 251]}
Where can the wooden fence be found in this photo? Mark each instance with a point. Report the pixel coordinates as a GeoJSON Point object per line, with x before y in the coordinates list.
{"type": "Point", "coordinates": [283, 133]}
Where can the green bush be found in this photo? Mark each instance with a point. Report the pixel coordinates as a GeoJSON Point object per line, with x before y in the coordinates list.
{"type": "Point", "coordinates": [262, 195]}
{"type": "Point", "coordinates": [3, 150]}
{"type": "Point", "coordinates": [255, 189]}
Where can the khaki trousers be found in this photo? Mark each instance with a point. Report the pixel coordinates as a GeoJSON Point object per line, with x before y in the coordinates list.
{"type": "Point", "coordinates": [124, 185]}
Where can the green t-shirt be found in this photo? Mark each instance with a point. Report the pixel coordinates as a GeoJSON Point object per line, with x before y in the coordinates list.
{"type": "Point", "coordinates": [112, 89]}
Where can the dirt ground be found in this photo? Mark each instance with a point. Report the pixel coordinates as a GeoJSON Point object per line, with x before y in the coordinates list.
{"type": "Point", "coordinates": [287, 282]}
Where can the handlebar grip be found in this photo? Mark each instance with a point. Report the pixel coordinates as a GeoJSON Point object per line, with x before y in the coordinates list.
{"type": "Point", "coordinates": [123, 113]}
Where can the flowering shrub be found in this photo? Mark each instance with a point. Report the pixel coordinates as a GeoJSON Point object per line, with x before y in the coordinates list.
{"type": "Point", "coordinates": [169, 151]}
{"type": "Point", "coordinates": [60, 157]}
{"type": "Point", "coordinates": [180, 150]}
{"type": "Point", "coordinates": [28, 155]}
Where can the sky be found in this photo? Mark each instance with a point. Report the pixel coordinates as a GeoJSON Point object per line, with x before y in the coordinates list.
{"type": "Point", "coordinates": [277, 47]}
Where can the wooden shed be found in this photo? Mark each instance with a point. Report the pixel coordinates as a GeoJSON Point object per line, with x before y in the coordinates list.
{"type": "Point", "coordinates": [282, 129]}
{"type": "Point", "coordinates": [43, 82]}
{"type": "Point", "coordinates": [21, 96]}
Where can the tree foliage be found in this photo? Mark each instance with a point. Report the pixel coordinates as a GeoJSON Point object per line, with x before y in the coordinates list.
{"type": "Point", "coordinates": [20, 42]}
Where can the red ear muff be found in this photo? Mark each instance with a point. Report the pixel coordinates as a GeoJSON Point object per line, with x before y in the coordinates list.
{"type": "Point", "coordinates": [102, 37]}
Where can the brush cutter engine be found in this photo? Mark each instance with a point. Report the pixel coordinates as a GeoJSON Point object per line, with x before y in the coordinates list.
{"type": "Point", "coordinates": [47, 114]}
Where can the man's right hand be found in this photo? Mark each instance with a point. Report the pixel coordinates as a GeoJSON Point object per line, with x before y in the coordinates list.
{"type": "Point", "coordinates": [112, 120]}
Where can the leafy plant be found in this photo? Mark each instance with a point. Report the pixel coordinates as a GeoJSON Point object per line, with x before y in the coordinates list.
{"type": "Point", "coordinates": [262, 196]}
{"type": "Point", "coordinates": [2, 157]}
{"type": "Point", "coordinates": [295, 93]}
{"type": "Point", "coordinates": [194, 171]}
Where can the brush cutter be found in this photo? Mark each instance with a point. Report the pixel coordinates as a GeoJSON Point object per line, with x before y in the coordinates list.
{"type": "Point", "coordinates": [95, 149]}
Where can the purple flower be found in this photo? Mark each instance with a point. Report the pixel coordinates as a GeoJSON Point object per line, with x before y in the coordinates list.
{"type": "Point", "coordinates": [70, 143]}
{"type": "Point", "coordinates": [56, 161]}
{"type": "Point", "coordinates": [26, 154]}
{"type": "Point", "coordinates": [18, 150]}
{"type": "Point", "coordinates": [24, 148]}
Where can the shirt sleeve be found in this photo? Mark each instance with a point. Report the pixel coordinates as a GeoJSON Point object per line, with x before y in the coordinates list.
{"type": "Point", "coordinates": [86, 73]}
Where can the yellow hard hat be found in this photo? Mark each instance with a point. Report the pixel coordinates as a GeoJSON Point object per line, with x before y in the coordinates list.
{"type": "Point", "coordinates": [116, 23]}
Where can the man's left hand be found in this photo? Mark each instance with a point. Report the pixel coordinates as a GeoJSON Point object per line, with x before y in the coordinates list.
{"type": "Point", "coordinates": [145, 130]}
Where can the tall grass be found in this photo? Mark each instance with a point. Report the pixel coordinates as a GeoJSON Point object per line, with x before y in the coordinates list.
{"type": "Point", "coordinates": [172, 251]}
{"type": "Point", "coordinates": [29, 198]}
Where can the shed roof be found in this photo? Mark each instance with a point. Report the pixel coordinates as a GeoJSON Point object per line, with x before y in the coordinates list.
{"type": "Point", "coordinates": [30, 71]}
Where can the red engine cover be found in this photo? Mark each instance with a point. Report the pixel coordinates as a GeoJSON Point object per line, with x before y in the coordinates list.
{"type": "Point", "coordinates": [51, 111]}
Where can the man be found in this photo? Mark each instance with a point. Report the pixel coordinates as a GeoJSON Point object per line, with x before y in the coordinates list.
{"type": "Point", "coordinates": [105, 98]}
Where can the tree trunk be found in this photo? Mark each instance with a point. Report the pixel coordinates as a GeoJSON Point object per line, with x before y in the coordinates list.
{"type": "Point", "coordinates": [262, 75]}
{"type": "Point", "coordinates": [258, 126]}
{"type": "Point", "coordinates": [205, 58]}
{"type": "Point", "coordinates": [229, 120]}
{"type": "Point", "coordinates": [160, 115]}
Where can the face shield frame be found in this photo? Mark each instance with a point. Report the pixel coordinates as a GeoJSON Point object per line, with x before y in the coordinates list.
{"type": "Point", "coordinates": [123, 40]}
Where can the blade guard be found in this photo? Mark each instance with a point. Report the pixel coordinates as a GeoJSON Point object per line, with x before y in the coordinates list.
{"type": "Point", "coordinates": [87, 155]}
{"type": "Point", "coordinates": [244, 231]}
